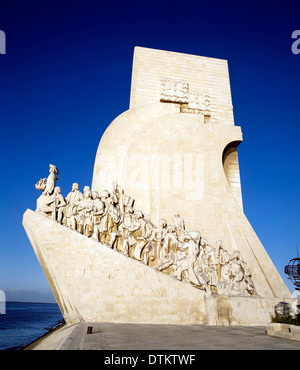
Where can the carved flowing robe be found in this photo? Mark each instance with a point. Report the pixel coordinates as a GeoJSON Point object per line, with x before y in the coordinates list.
{"type": "Point", "coordinates": [51, 180]}
{"type": "Point", "coordinates": [73, 199]}
{"type": "Point", "coordinates": [50, 185]}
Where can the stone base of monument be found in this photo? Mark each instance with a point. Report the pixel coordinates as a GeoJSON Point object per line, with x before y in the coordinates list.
{"type": "Point", "coordinates": [94, 283]}
{"type": "Point", "coordinates": [286, 331]}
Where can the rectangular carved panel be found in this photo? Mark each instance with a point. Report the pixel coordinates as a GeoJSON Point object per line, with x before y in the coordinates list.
{"type": "Point", "coordinates": [174, 91]}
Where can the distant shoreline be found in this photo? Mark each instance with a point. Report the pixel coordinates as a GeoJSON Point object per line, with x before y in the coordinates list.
{"type": "Point", "coordinates": [31, 302]}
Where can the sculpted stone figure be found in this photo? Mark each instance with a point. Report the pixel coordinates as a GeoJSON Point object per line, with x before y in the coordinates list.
{"type": "Point", "coordinates": [46, 202]}
{"type": "Point", "coordinates": [98, 205]}
{"type": "Point", "coordinates": [84, 213]}
{"type": "Point", "coordinates": [208, 262]}
{"type": "Point", "coordinates": [241, 282]}
{"type": "Point", "coordinates": [179, 226]}
{"type": "Point", "coordinates": [143, 244]}
{"type": "Point", "coordinates": [187, 261]}
{"type": "Point", "coordinates": [109, 220]}
{"type": "Point", "coordinates": [45, 205]}
{"type": "Point", "coordinates": [59, 205]}
{"type": "Point", "coordinates": [159, 238]}
{"type": "Point", "coordinates": [168, 248]}
{"type": "Point", "coordinates": [237, 278]}
{"type": "Point", "coordinates": [73, 199]}
{"type": "Point", "coordinates": [51, 179]}
{"type": "Point", "coordinates": [103, 224]}
{"type": "Point", "coordinates": [223, 260]}
{"type": "Point", "coordinates": [128, 227]}
{"type": "Point", "coordinates": [97, 213]}
{"type": "Point", "coordinates": [112, 220]}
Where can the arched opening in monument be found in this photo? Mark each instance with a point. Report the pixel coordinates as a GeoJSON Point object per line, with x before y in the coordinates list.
{"type": "Point", "coordinates": [232, 171]}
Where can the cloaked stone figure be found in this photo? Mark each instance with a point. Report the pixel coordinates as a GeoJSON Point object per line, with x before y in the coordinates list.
{"type": "Point", "coordinates": [97, 213]}
{"type": "Point", "coordinates": [84, 217]}
{"type": "Point", "coordinates": [59, 205]}
{"type": "Point", "coordinates": [46, 202]}
{"type": "Point", "coordinates": [237, 279]}
{"type": "Point", "coordinates": [159, 238]}
{"type": "Point", "coordinates": [73, 199]}
{"type": "Point", "coordinates": [143, 239]}
{"type": "Point", "coordinates": [51, 180]}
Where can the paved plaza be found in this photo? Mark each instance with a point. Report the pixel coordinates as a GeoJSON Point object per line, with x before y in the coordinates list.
{"type": "Point", "coordinates": [108, 336]}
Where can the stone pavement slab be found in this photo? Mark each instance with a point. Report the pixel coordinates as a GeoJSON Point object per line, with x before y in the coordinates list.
{"type": "Point", "coordinates": [112, 336]}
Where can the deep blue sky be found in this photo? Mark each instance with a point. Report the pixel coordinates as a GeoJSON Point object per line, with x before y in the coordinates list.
{"type": "Point", "coordinates": [66, 76]}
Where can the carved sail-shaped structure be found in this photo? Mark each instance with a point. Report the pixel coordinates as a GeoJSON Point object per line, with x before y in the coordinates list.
{"type": "Point", "coordinates": [162, 236]}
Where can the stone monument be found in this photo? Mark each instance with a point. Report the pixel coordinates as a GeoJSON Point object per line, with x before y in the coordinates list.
{"type": "Point", "coordinates": [161, 236]}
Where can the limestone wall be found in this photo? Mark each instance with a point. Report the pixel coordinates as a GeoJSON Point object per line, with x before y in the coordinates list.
{"type": "Point", "coordinates": [208, 75]}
